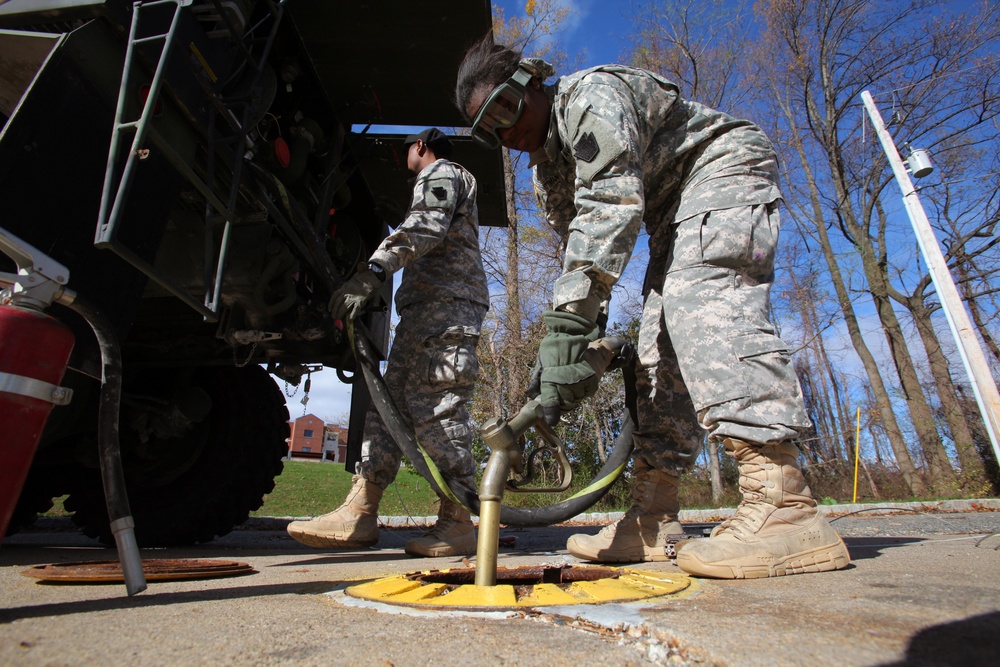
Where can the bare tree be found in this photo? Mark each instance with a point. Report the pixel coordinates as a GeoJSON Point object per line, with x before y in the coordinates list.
{"type": "Point", "coordinates": [508, 349]}
{"type": "Point", "coordinates": [821, 55]}
{"type": "Point", "coordinates": [696, 44]}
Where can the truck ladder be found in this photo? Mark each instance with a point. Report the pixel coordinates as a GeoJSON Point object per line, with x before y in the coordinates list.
{"type": "Point", "coordinates": [116, 186]}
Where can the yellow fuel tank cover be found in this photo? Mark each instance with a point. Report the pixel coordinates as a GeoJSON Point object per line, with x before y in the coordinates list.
{"type": "Point", "coordinates": [520, 587]}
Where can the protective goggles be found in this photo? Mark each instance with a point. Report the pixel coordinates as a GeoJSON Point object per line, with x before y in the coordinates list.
{"type": "Point", "coordinates": [501, 109]}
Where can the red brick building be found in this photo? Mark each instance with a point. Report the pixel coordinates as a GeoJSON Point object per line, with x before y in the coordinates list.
{"type": "Point", "coordinates": [311, 437]}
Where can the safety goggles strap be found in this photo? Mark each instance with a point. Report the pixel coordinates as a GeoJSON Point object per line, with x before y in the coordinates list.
{"type": "Point", "coordinates": [493, 116]}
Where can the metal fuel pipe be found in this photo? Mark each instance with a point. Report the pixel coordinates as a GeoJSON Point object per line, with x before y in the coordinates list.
{"type": "Point", "coordinates": [503, 439]}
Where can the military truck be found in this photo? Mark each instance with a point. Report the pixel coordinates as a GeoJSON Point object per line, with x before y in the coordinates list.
{"type": "Point", "coordinates": [210, 171]}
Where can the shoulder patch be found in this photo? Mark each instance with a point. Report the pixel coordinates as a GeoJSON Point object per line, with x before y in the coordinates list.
{"type": "Point", "coordinates": [439, 192]}
{"type": "Point", "coordinates": [586, 148]}
{"type": "Point", "coordinates": [600, 142]}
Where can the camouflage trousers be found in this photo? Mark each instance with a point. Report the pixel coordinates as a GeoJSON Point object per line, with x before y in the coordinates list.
{"type": "Point", "coordinates": [430, 375]}
{"type": "Point", "coordinates": [709, 357]}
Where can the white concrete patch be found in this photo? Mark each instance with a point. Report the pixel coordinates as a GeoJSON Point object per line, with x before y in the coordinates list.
{"type": "Point", "coordinates": [339, 596]}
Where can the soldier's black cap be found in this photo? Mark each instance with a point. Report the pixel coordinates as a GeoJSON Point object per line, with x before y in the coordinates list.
{"type": "Point", "coordinates": [435, 138]}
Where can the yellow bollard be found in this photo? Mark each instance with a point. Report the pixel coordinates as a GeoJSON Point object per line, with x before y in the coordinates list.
{"type": "Point", "coordinates": [857, 456]}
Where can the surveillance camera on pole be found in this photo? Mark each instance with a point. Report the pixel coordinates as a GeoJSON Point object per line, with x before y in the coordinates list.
{"type": "Point", "coordinates": [919, 163]}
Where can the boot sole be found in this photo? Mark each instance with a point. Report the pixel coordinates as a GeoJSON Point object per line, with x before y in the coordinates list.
{"type": "Point", "coordinates": [822, 559]}
{"type": "Point", "coordinates": [414, 548]}
{"type": "Point", "coordinates": [438, 553]}
{"type": "Point", "coordinates": [329, 542]}
{"type": "Point", "coordinates": [643, 555]}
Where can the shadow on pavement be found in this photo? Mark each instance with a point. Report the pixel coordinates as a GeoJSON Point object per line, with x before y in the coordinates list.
{"type": "Point", "coordinates": [154, 599]}
{"type": "Point", "coordinates": [333, 558]}
{"type": "Point", "coordinates": [970, 642]}
{"type": "Point", "coordinates": [862, 548]}
{"type": "Point", "coordinates": [27, 554]}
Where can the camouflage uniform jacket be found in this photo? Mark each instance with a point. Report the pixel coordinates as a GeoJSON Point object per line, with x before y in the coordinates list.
{"type": "Point", "coordinates": [438, 242]}
{"type": "Point", "coordinates": [623, 147]}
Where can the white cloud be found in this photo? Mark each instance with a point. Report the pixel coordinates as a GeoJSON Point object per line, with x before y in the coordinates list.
{"type": "Point", "coordinates": [579, 10]}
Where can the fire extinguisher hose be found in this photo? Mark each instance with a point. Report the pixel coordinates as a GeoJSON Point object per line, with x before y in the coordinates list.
{"type": "Point", "coordinates": [112, 473]}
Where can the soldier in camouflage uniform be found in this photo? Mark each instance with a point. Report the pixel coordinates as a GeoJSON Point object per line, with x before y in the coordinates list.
{"type": "Point", "coordinates": [432, 367]}
{"type": "Point", "coordinates": [614, 147]}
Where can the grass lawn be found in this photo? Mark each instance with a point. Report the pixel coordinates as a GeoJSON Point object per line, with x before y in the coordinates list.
{"type": "Point", "coordinates": [311, 488]}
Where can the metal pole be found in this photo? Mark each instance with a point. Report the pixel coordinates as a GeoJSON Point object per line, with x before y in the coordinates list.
{"type": "Point", "coordinates": [857, 456]}
{"type": "Point", "coordinates": [969, 347]}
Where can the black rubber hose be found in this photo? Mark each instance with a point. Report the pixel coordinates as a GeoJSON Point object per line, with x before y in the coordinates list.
{"type": "Point", "coordinates": [109, 449]}
{"type": "Point", "coordinates": [107, 421]}
{"type": "Point", "coordinates": [510, 516]}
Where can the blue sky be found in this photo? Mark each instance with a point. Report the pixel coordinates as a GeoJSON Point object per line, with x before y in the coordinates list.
{"type": "Point", "coordinates": [597, 29]}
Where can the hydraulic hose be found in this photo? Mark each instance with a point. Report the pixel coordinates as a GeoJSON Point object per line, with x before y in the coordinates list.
{"type": "Point", "coordinates": [112, 473]}
{"type": "Point", "coordinates": [467, 496]}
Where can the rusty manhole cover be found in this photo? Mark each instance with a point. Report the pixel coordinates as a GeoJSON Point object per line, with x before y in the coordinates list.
{"type": "Point", "coordinates": [525, 576]}
{"type": "Point", "coordinates": [162, 569]}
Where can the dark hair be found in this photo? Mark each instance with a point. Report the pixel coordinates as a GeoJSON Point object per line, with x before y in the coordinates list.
{"type": "Point", "coordinates": [442, 149]}
{"type": "Point", "coordinates": [434, 139]}
{"type": "Point", "coordinates": [485, 65]}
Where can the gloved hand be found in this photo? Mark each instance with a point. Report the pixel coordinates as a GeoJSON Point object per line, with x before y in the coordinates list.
{"type": "Point", "coordinates": [349, 301]}
{"type": "Point", "coordinates": [535, 384]}
{"type": "Point", "coordinates": [566, 378]}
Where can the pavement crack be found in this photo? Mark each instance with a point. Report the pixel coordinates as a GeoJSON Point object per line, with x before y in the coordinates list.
{"type": "Point", "coordinates": [654, 645]}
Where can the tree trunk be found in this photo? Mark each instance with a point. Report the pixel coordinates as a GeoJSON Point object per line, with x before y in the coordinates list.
{"type": "Point", "coordinates": [903, 458]}
{"type": "Point", "coordinates": [984, 332]}
{"type": "Point", "coordinates": [871, 482]}
{"type": "Point", "coordinates": [714, 471]}
{"type": "Point", "coordinates": [517, 376]}
{"type": "Point", "coordinates": [973, 473]}
{"type": "Point", "coordinates": [828, 379]}
{"type": "Point", "coordinates": [942, 474]}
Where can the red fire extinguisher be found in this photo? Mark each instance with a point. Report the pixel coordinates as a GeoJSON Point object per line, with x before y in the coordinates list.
{"type": "Point", "coordinates": [34, 353]}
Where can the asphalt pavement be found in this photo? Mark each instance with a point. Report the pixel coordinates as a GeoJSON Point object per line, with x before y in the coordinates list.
{"type": "Point", "coordinates": [923, 589]}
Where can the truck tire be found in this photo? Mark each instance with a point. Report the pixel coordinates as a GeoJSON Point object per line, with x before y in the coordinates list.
{"type": "Point", "coordinates": [229, 463]}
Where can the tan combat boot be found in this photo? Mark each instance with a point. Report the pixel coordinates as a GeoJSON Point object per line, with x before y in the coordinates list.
{"type": "Point", "coordinates": [452, 535]}
{"type": "Point", "coordinates": [640, 535]}
{"type": "Point", "coordinates": [776, 529]}
{"type": "Point", "coordinates": [352, 525]}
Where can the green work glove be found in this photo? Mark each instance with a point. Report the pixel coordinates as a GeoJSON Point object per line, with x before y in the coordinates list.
{"type": "Point", "coordinates": [349, 301]}
{"type": "Point", "coordinates": [566, 379]}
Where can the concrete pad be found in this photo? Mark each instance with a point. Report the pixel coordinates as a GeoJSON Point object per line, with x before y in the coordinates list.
{"type": "Point", "coordinates": [922, 589]}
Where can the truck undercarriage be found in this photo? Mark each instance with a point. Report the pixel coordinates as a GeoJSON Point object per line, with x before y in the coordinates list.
{"type": "Point", "coordinates": [208, 173]}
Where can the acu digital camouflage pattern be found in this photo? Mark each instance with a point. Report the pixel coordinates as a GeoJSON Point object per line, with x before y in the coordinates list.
{"type": "Point", "coordinates": [623, 149]}
{"type": "Point", "coordinates": [430, 377]}
{"type": "Point", "coordinates": [442, 300]}
{"type": "Point", "coordinates": [438, 242]}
